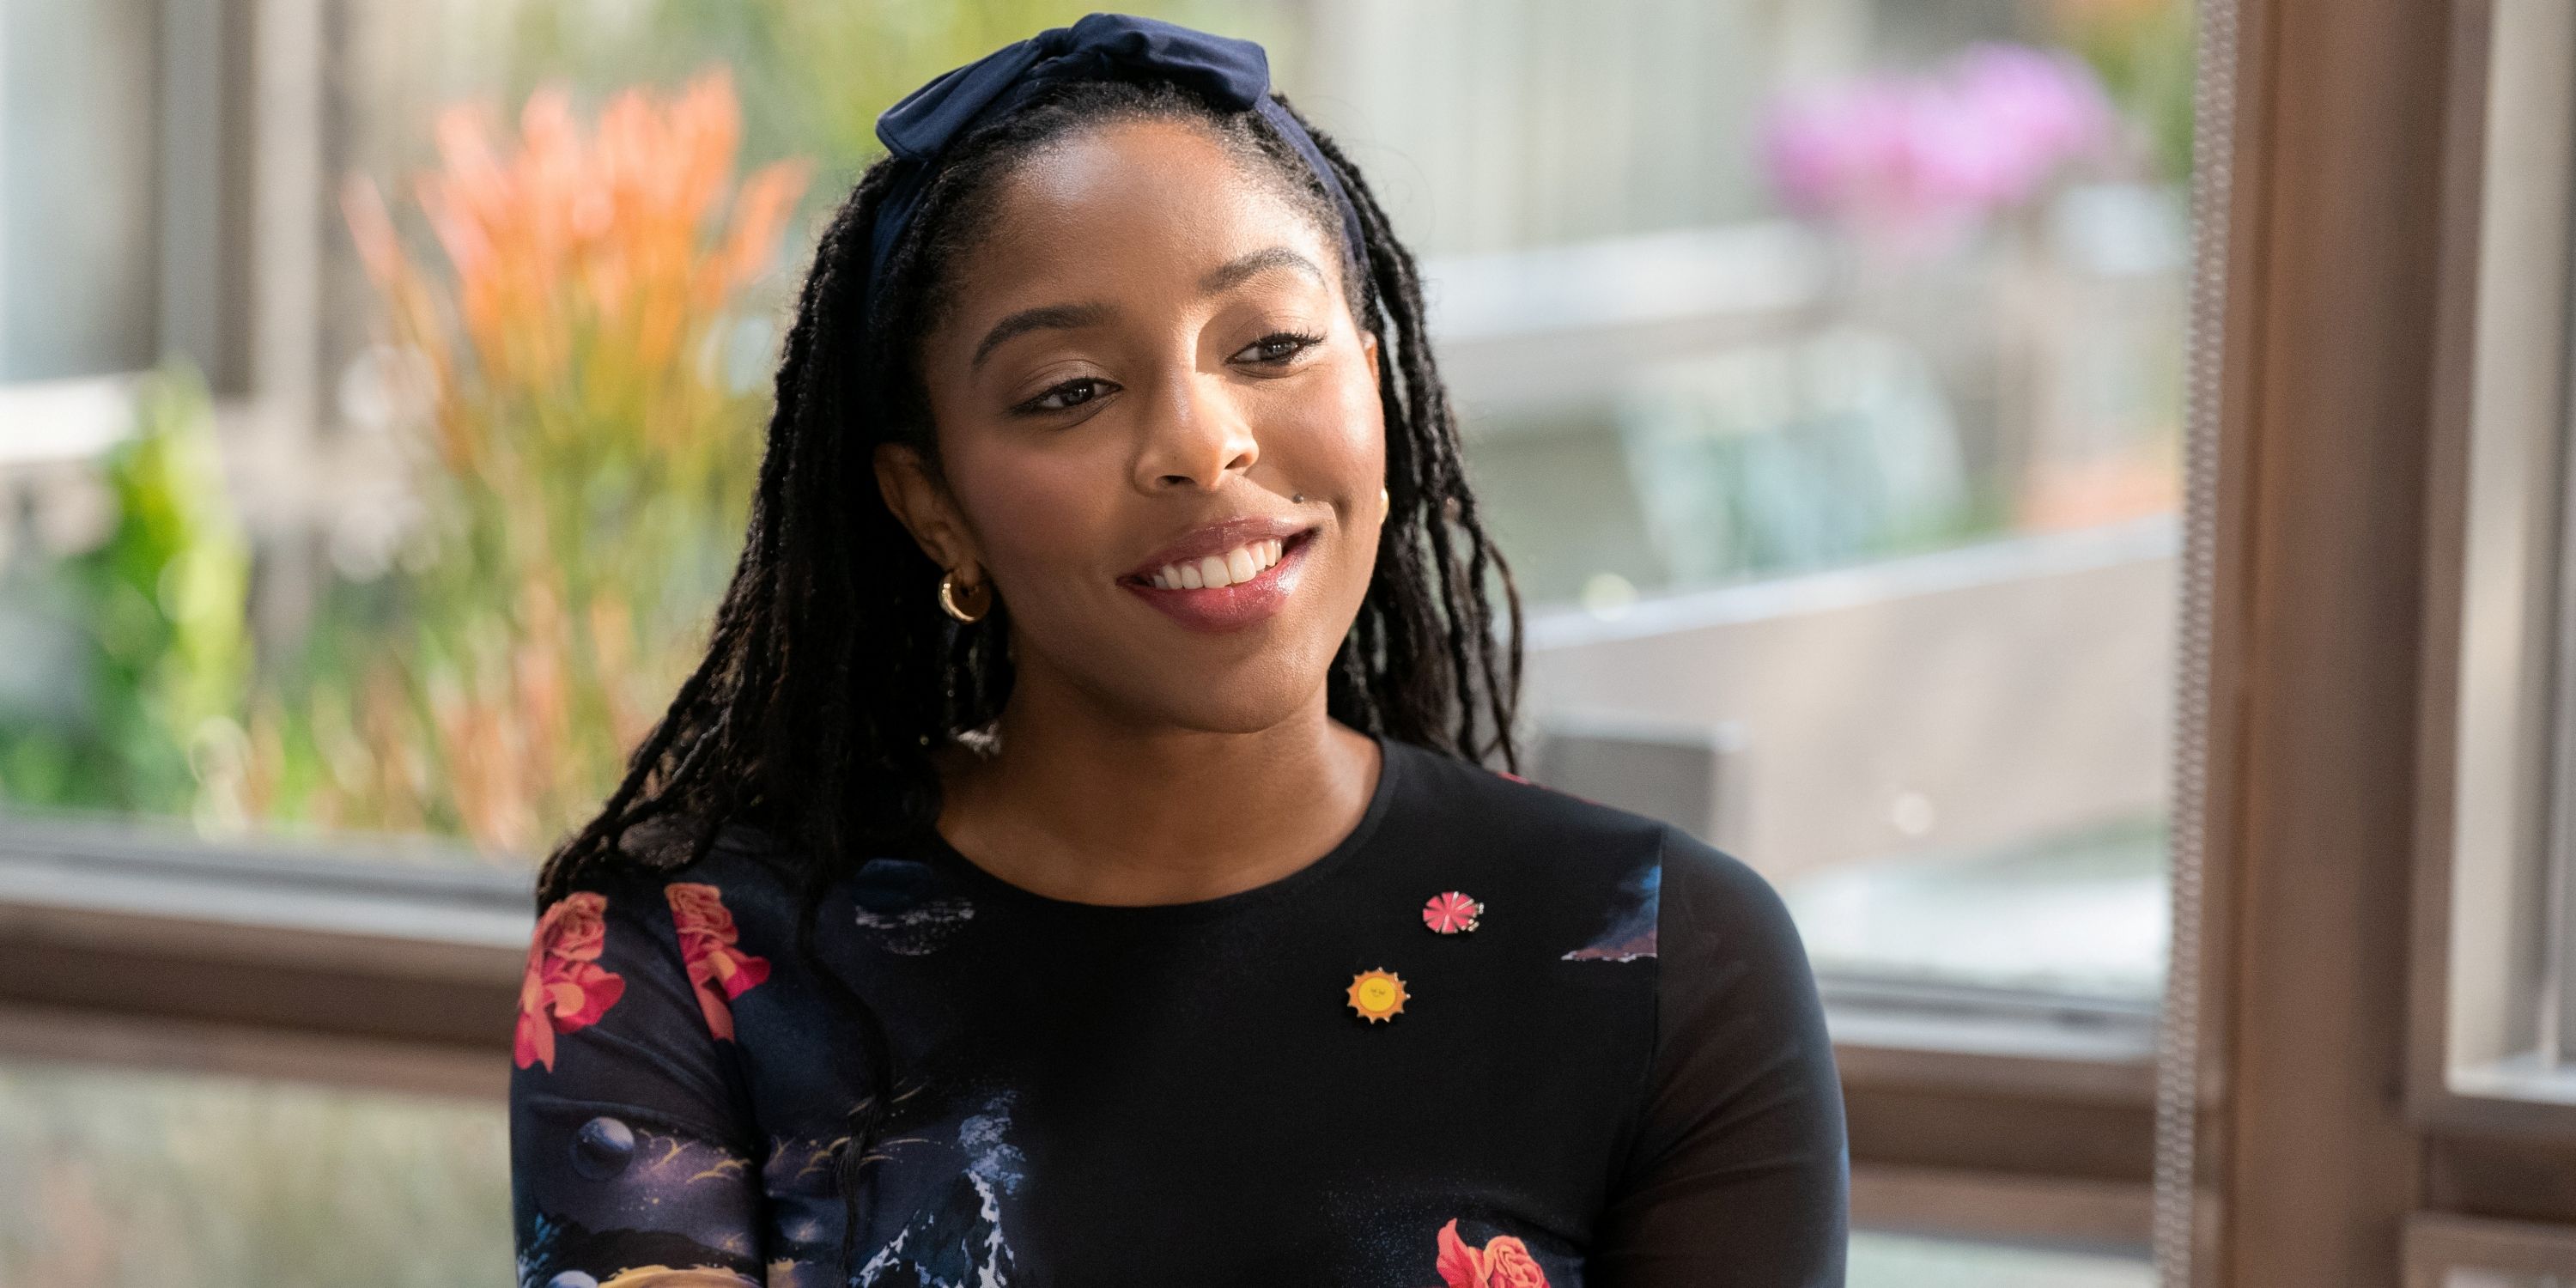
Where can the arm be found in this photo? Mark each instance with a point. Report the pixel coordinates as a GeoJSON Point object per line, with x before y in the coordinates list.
{"type": "Point", "coordinates": [1740, 1173]}
{"type": "Point", "coordinates": [628, 1148]}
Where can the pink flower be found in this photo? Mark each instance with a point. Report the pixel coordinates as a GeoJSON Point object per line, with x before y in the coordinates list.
{"type": "Point", "coordinates": [565, 988]}
{"type": "Point", "coordinates": [1504, 1262]}
{"type": "Point", "coordinates": [717, 969]}
{"type": "Point", "coordinates": [1914, 160]}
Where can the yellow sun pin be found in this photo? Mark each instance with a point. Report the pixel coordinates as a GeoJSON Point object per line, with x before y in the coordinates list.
{"type": "Point", "coordinates": [1377, 995]}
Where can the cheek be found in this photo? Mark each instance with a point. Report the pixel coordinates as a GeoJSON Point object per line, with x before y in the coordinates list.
{"type": "Point", "coordinates": [1037, 515]}
{"type": "Point", "coordinates": [1330, 441]}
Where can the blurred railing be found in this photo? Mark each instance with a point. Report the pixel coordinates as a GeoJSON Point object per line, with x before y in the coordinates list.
{"type": "Point", "coordinates": [2017, 687]}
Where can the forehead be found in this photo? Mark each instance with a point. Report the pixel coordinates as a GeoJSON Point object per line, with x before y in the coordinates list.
{"type": "Point", "coordinates": [1126, 204]}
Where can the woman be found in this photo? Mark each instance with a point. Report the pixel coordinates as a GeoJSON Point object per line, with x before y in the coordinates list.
{"type": "Point", "coordinates": [1072, 864]}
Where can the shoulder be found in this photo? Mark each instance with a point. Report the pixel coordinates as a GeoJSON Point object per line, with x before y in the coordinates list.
{"type": "Point", "coordinates": [745, 874]}
{"type": "Point", "coordinates": [1471, 801]}
{"type": "Point", "coordinates": [1717, 912]}
{"type": "Point", "coordinates": [1585, 878]}
{"type": "Point", "coordinates": [1669, 893]}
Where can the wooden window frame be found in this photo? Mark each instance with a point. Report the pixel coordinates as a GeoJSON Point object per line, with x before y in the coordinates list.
{"type": "Point", "coordinates": [2437, 1245]}
{"type": "Point", "coordinates": [2496, 699]}
{"type": "Point", "coordinates": [2321, 1142]}
{"type": "Point", "coordinates": [2394, 375]}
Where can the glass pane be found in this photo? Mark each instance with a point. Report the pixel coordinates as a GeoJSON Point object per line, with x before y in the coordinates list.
{"type": "Point", "coordinates": [2512, 814]}
{"type": "Point", "coordinates": [1819, 363]}
{"type": "Point", "coordinates": [119, 1179]}
{"type": "Point", "coordinates": [1904, 1261]}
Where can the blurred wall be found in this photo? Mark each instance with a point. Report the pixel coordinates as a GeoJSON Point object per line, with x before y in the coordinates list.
{"type": "Point", "coordinates": [78, 240]}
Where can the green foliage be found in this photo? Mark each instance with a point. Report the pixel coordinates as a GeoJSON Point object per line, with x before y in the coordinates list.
{"type": "Point", "coordinates": [158, 613]}
{"type": "Point", "coordinates": [2145, 57]}
{"type": "Point", "coordinates": [813, 73]}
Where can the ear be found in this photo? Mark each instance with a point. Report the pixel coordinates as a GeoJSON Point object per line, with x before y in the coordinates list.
{"type": "Point", "coordinates": [1368, 345]}
{"type": "Point", "coordinates": [926, 510]}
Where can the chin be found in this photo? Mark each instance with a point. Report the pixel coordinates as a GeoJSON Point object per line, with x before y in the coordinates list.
{"type": "Point", "coordinates": [1244, 694]}
{"type": "Point", "coordinates": [1236, 712]}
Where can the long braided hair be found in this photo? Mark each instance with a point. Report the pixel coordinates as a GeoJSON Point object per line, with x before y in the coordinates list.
{"type": "Point", "coordinates": [832, 678]}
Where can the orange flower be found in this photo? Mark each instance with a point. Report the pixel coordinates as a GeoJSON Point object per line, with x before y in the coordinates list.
{"type": "Point", "coordinates": [565, 988]}
{"type": "Point", "coordinates": [717, 969]}
{"type": "Point", "coordinates": [620, 238]}
{"type": "Point", "coordinates": [570, 345]}
{"type": "Point", "coordinates": [1504, 1262]}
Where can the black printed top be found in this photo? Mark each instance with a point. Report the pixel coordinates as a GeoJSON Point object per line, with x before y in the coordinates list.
{"type": "Point", "coordinates": [1498, 1037]}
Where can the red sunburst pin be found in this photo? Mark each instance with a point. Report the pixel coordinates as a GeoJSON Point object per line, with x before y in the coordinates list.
{"type": "Point", "coordinates": [1451, 913]}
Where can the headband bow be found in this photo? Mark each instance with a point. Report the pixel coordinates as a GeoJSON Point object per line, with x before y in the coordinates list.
{"type": "Point", "coordinates": [1233, 74]}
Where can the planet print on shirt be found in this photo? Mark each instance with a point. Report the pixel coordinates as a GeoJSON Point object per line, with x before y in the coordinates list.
{"type": "Point", "coordinates": [906, 907]}
{"type": "Point", "coordinates": [636, 1197]}
{"type": "Point", "coordinates": [1631, 932]}
{"type": "Point", "coordinates": [955, 1240]}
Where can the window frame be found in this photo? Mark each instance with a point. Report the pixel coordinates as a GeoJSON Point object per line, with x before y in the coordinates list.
{"type": "Point", "coordinates": [2436, 1245]}
{"type": "Point", "coordinates": [2497, 824]}
{"type": "Point", "coordinates": [2009, 1117]}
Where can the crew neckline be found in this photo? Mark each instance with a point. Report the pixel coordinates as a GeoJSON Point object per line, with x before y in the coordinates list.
{"type": "Point", "coordinates": [1391, 755]}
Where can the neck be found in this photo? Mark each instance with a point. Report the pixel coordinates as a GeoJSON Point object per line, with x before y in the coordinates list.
{"type": "Point", "coordinates": [1079, 803]}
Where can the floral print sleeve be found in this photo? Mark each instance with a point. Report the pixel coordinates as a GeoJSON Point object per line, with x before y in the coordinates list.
{"type": "Point", "coordinates": [630, 1158]}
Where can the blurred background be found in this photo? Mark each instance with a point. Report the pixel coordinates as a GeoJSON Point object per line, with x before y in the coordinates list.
{"type": "Point", "coordinates": [381, 384]}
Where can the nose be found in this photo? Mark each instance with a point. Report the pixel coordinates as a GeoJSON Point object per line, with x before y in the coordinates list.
{"type": "Point", "coordinates": [1193, 436]}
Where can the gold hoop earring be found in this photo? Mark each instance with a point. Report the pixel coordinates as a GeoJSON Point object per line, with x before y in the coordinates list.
{"type": "Point", "coordinates": [978, 599]}
{"type": "Point", "coordinates": [1384, 505]}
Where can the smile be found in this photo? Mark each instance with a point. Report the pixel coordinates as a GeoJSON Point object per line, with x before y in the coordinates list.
{"type": "Point", "coordinates": [1214, 572]}
{"type": "Point", "coordinates": [1225, 576]}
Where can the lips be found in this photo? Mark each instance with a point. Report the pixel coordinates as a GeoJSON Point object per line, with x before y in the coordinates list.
{"type": "Point", "coordinates": [1217, 539]}
{"type": "Point", "coordinates": [1224, 576]}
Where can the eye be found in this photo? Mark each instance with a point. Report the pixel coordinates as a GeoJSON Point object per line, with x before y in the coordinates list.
{"type": "Point", "coordinates": [1278, 347]}
{"type": "Point", "coordinates": [1070, 394]}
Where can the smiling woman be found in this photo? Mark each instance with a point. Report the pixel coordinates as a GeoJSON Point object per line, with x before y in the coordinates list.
{"type": "Point", "coordinates": [1075, 861]}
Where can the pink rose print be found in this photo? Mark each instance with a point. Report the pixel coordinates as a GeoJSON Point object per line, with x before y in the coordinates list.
{"type": "Point", "coordinates": [1504, 1262]}
{"type": "Point", "coordinates": [565, 987]}
{"type": "Point", "coordinates": [720, 971]}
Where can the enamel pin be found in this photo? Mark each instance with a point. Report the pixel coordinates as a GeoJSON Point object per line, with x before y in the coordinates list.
{"type": "Point", "coordinates": [1451, 913]}
{"type": "Point", "coordinates": [1377, 995]}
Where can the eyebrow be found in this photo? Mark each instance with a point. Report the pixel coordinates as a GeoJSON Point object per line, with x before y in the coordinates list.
{"type": "Point", "coordinates": [1259, 261]}
{"type": "Point", "coordinates": [1051, 317]}
{"type": "Point", "coordinates": [1069, 317]}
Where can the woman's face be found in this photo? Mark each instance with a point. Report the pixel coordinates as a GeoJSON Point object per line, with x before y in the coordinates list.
{"type": "Point", "coordinates": [1141, 367]}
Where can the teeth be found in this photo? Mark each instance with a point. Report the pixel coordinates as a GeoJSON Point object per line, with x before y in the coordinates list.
{"type": "Point", "coordinates": [1243, 563]}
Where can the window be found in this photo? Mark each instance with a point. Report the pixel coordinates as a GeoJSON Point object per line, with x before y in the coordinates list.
{"type": "Point", "coordinates": [2511, 940]}
{"type": "Point", "coordinates": [2466, 1252]}
{"type": "Point", "coordinates": [1820, 363]}
{"type": "Point", "coordinates": [1829, 417]}
{"type": "Point", "coordinates": [111, 1177]}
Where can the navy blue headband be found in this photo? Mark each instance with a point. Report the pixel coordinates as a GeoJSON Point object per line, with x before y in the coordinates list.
{"type": "Point", "coordinates": [1233, 74]}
